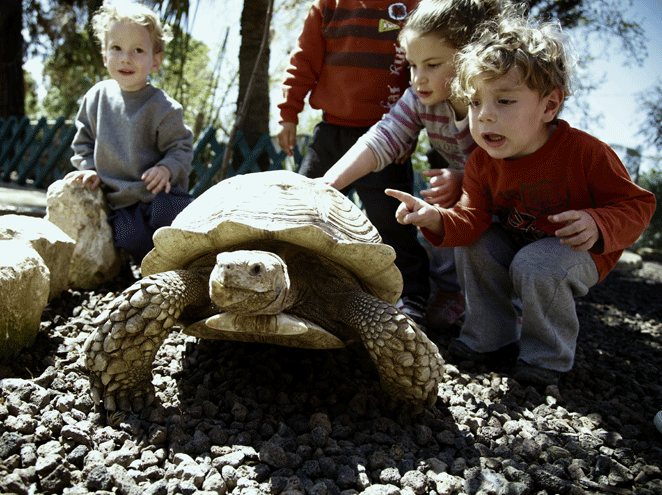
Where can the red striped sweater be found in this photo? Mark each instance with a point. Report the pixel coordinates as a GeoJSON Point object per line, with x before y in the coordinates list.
{"type": "Point", "coordinates": [348, 59]}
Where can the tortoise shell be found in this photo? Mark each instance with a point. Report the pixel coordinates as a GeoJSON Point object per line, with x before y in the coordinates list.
{"type": "Point", "coordinates": [278, 206]}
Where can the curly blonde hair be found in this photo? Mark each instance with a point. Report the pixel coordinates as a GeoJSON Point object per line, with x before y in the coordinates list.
{"type": "Point", "coordinates": [537, 50]}
{"type": "Point", "coordinates": [124, 11]}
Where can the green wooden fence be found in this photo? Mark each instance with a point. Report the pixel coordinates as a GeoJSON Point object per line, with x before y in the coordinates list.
{"type": "Point", "coordinates": [35, 154]}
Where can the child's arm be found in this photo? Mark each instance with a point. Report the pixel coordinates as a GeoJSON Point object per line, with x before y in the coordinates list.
{"type": "Point", "coordinates": [301, 76]}
{"type": "Point", "coordinates": [84, 141]}
{"type": "Point", "coordinates": [385, 142]}
{"type": "Point", "coordinates": [287, 137]}
{"type": "Point", "coordinates": [620, 209]}
{"type": "Point", "coordinates": [356, 163]}
{"type": "Point", "coordinates": [175, 141]}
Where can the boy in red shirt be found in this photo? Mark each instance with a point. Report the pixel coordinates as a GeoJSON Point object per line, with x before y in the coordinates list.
{"type": "Point", "coordinates": [565, 205]}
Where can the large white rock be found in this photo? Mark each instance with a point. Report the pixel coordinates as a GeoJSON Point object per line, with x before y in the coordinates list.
{"type": "Point", "coordinates": [53, 245]}
{"type": "Point", "coordinates": [83, 215]}
{"type": "Point", "coordinates": [24, 288]}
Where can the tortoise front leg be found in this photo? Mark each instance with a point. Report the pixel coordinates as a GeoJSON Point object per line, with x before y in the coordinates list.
{"type": "Point", "coordinates": [120, 353]}
{"type": "Point", "coordinates": [409, 364]}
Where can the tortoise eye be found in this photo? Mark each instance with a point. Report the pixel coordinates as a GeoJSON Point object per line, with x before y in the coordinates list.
{"type": "Point", "coordinates": [256, 269]}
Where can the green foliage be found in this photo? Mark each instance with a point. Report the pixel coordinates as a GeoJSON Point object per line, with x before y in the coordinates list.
{"type": "Point", "coordinates": [70, 72]}
{"type": "Point", "coordinates": [190, 81]}
{"type": "Point", "coordinates": [652, 237]}
{"type": "Point", "coordinates": [31, 103]}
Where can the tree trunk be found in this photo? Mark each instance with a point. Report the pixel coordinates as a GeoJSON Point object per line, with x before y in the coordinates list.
{"type": "Point", "coordinates": [12, 86]}
{"type": "Point", "coordinates": [256, 118]}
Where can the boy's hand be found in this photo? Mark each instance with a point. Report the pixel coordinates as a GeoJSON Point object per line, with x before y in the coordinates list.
{"type": "Point", "coordinates": [580, 231]}
{"type": "Point", "coordinates": [157, 179]}
{"type": "Point", "coordinates": [86, 178]}
{"type": "Point", "coordinates": [417, 212]}
{"type": "Point", "coordinates": [287, 137]}
{"type": "Point", "coordinates": [445, 186]}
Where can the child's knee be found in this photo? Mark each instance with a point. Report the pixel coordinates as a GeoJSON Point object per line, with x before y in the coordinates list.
{"type": "Point", "coordinates": [165, 207]}
{"type": "Point", "coordinates": [131, 233]}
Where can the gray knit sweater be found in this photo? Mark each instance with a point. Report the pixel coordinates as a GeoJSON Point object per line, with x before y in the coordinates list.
{"type": "Point", "coordinates": [121, 134]}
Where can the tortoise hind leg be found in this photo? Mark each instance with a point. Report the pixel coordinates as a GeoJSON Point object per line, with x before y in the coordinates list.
{"type": "Point", "coordinates": [409, 364]}
{"type": "Point", "coordinates": [120, 353]}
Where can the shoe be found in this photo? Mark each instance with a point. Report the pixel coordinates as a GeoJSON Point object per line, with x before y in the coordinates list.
{"type": "Point", "coordinates": [460, 350]}
{"type": "Point", "coordinates": [414, 307]}
{"type": "Point", "coordinates": [529, 374]}
{"type": "Point", "coordinates": [445, 309]}
{"type": "Point", "coordinates": [657, 421]}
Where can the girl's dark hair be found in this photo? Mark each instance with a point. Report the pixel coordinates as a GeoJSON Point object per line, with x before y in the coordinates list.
{"type": "Point", "coordinates": [454, 21]}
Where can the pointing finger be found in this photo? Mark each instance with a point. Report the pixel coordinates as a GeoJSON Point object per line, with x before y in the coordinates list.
{"type": "Point", "coordinates": [407, 199]}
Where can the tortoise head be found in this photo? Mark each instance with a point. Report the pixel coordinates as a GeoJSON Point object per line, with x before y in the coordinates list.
{"type": "Point", "coordinates": [249, 282]}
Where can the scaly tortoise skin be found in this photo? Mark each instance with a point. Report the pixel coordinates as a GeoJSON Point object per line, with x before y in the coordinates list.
{"type": "Point", "coordinates": [264, 257]}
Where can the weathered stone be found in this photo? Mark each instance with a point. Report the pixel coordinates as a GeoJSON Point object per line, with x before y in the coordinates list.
{"type": "Point", "coordinates": [53, 245]}
{"type": "Point", "coordinates": [83, 215]}
{"type": "Point", "coordinates": [24, 288]}
{"type": "Point", "coordinates": [629, 261]}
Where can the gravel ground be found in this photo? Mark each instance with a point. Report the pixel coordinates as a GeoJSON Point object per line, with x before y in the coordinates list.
{"type": "Point", "coordinates": [251, 419]}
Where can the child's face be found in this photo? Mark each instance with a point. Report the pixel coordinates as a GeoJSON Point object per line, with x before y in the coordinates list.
{"type": "Point", "coordinates": [129, 55]}
{"type": "Point", "coordinates": [508, 119]}
{"type": "Point", "coordinates": [432, 68]}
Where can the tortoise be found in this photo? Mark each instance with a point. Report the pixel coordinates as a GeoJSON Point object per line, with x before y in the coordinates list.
{"type": "Point", "coordinates": [269, 257]}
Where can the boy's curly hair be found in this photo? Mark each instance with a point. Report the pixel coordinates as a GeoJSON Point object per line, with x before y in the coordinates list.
{"type": "Point", "coordinates": [454, 21]}
{"type": "Point", "coordinates": [537, 50]}
{"type": "Point", "coordinates": [124, 11]}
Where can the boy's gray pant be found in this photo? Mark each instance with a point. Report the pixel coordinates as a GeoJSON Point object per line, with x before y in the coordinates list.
{"type": "Point", "coordinates": [545, 276]}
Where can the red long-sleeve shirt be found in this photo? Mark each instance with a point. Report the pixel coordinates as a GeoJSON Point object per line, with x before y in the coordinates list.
{"type": "Point", "coordinates": [349, 61]}
{"type": "Point", "coordinates": [572, 171]}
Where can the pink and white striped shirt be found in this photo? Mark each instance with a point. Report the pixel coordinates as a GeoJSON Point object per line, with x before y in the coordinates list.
{"type": "Point", "coordinates": [395, 133]}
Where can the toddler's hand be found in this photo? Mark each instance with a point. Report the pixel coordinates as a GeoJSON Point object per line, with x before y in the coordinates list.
{"type": "Point", "coordinates": [445, 186]}
{"type": "Point", "coordinates": [86, 178]}
{"type": "Point", "coordinates": [287, 137]}
{"type": "Point", "coordinates": [157, 179]}
{"type": "Point", "coordinates": [415, 211]}
{"type": "Point", "coordinates": [580, 231]}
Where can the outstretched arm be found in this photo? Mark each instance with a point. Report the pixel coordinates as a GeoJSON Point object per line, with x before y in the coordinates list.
{"type": "Point", "coordinates": [358, 162]}
{"type": "Point", "coordinates": [415, 211]}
